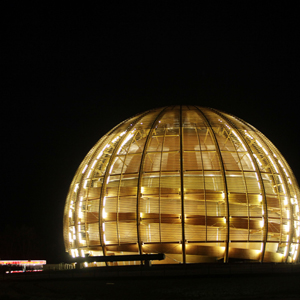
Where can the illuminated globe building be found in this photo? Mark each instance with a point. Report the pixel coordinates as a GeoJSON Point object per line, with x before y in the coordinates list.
{"type": "Point", "coordinates": [195, 183]}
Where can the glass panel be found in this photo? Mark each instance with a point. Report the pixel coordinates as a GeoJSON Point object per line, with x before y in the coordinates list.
{"type": "Point", "coordinates": [213, 181]}
{"type": "Point", "coordinates": [138, 143]}
{"type": "Point", "coordinates": [170, 180]}
{"type": "Point", "coordinates": [127, 204]}
{"type": "Point", "coordinates": [193, 181]}
{"type": "Point", "coordinates": [231, 161]}
{"type": "Point", "coordinates": [132, 163]}
{"type": "Point", "coordinates": [152, 162]}
{"type": "Point", "coordinates": [195, 232]}
{"type": "Point", "coordinates": [155, 142]}
{"type": "Point", "coordinates": [216, 233]}
{"type": "Point", "coordinates": [210, 160]}
{"type": "Point", "coordinates": [171, 141]}
{"type": "Point", "coordinates": [246, 162]}
{"type": "Point", "coordinates": [92, 214]}
{"type": "Point", "coordinates": [223, 137]}
{"type": "Point", "coordinates": [93, 234]}
{"type": "Point", "coordinates": [149, 204]}
{"type": "Point", "coordinates": [252, 182]}
{"type": "Point", "coordinates": [150, 232]}
{"type": "Point", "coordinates": [190, 139]}
{"type": "Point", "coordinates": [235, 182]}
{"type": "Point", "coordinates": [171, 232]}
{"type": "Point", "coordinates": [170, 161]}
{"type": "Point", "coordinates": [192, 160]}
{"type": "Point", "coordinates": [206, 141]}
{"type": "Point", "coordinates": [128, 232]}
{"type": "Point", "coordinates": [111, 232]}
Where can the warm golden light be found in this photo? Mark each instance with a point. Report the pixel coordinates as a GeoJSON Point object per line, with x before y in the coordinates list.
{"type": "Point", "coordinates": [195, 183]}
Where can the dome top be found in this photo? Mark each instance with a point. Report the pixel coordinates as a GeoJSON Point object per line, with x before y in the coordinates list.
{"type": "Point", "coordinates": [195, 183]}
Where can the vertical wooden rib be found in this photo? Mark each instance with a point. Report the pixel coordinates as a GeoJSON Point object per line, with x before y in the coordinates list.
{"type": "Point", "coordinates": [103, 188]}
{"type": "Point", "coordinates": [259, 177]}
{"type": "Point", "coordinates": [182, 188]}
{"type": "Point", "coordinates": [224, 179]}
{"type": "Point", "coordinates": [288, 195]}
{"type": "Point", "coordinates": [141, 171]}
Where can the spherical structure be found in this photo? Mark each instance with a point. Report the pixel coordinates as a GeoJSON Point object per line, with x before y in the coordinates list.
{"type": "Point", "coordinates": [195, 183]}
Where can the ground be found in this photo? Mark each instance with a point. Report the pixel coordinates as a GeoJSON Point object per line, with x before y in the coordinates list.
{"type": "Point", "coordinates": [264, 286]}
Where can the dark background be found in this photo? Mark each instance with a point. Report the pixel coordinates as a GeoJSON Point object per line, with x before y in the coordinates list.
{"type": "Point", "coordinates": [71, 74]}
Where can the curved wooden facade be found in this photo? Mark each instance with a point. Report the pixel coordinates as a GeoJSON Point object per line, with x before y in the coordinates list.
{"type": "Point", "coordinates": [195, 183]}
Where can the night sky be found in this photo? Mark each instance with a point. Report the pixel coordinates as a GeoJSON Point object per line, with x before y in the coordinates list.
{"type": "Point", "coordinates": [70, 76]}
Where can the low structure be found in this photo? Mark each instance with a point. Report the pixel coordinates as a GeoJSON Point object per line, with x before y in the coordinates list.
{"type": "Point", "coordinates": [17, 266]}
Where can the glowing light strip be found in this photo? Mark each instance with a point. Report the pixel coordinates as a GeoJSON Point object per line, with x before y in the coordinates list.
{"type": "Point", "coordinates": [76, 187]}
{"type": "Point", "coordinates": [285, 201]}
{"type": "Point", "coordinates": [84, 169]}
{"type": "Point", "coordinates": [257, 160]}
{"type": "Point", "coordinates": [100, 154]}
{"type": "Point", "coordinates": [112, 165]}
{"type": "Point", "coordinates": [265, 151]}
{"type": "Point", "coordinates": [23, 262]}
{"type": "Point", "coordinates": [239, 139]}
{"type": "Point", "coordinates": [248, 135]}
{"type": "Point", "coordinates": [283, 168]}
{"type": "Point", "coordinates": [251, 162]}
{"type": "Point", "coordinates": [287, 227]}
{"type": "Point", "coordinates": [94, 163]}
{"type": "Point", "coordinates": [262, 223]}
{"type": "Point", "coordinates": [130, 135]}
{"type": "Point", "coordinates": [273, 164]}
{"type": "Point", "coordinates": [117, 137]}
{"type": "Point", "coordinates": [295, 255]}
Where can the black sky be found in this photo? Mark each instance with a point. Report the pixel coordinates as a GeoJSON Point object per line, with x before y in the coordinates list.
{"type": "Point", "coordinates": [70, 76]}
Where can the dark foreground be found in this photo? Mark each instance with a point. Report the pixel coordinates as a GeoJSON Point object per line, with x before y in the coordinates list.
{"type": "Point", "coordinates": [283, 286]}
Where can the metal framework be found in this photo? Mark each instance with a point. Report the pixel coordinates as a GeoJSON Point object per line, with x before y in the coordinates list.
{"type": "Point", "coordinates": [195, 183]}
